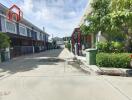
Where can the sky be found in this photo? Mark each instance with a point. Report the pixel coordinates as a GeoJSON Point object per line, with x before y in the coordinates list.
{"type": "Point", "coordinates": [59, 17]}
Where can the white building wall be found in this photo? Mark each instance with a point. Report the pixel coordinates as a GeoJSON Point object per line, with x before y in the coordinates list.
{"type": "Point", "coordinates": [100, 37]}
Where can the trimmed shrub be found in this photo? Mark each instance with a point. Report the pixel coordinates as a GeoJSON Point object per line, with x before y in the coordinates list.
{"type": "Point", "coordinates": [117, 60]}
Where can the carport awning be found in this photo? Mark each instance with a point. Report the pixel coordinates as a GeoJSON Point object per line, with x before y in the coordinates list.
{"type": "Point", "coordinates": [11, 35]}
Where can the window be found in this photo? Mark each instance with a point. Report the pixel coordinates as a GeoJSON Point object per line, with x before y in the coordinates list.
{"type": "Point", "coordinates": [46, 38]}
{"type": "Point", "coordinates": [3, 24]}
{"type": "Point", "coordinates": [22, 30]}
{"type": "Point", "coordinates": [34, 35]}
{"type": "Point", "coordinates": [0, 24]}
{"type": "Point", "coordinates": [29, 32]}
{"type": "Point", "coordinates": [40, 36]}
{"type": "Point", "coordinates": [10, 27]}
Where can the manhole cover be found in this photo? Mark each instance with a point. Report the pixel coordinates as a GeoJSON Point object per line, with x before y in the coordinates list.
{"type": "Point", "coordinates": [52, 60]}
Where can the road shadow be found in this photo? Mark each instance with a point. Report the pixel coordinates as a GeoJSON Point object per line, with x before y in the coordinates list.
{"type": "Point", "coordinates": [77, 64]}
{"type": "Point", "coordinates": [31, 62]}
{"type": "Point", "coordinates": [51, 53]}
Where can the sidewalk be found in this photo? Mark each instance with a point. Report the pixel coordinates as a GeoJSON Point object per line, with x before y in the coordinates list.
{"type": "Point", "coordinates": [87, 67]}
{"type": "Point", "coordinates": [66, 54]}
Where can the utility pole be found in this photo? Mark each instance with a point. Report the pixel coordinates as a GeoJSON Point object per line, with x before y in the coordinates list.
{"type": "Point", "coordinates": [52, 36]}
{"type": "Point", "coordinates": [44, 29]}
{"type": "Point", "coordinates": [66, 36]}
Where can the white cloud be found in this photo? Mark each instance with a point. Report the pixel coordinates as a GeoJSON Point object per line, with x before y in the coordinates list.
{"type": "Point", "coordinates": [27, 6]}
{"type": "Point", "coordinates": [58, 16]}
{"type": "Point", "coordinates": [72, 13]}
{"type": "Point", "coordinates": [44, 14]}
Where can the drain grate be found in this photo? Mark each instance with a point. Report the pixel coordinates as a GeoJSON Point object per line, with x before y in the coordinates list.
{"type": "Point", "coordinates": [52, 60]}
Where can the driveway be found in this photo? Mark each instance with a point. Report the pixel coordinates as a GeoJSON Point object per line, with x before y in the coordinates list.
{"type": "Point", "coordinates": [49, 76]}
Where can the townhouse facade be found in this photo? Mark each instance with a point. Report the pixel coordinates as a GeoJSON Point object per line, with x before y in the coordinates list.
{"type": "Point", "coordinates": [79, 41]}
{"type": "Point", "coordinates": [26, 38]}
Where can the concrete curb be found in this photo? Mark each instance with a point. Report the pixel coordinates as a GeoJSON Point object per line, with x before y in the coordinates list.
{"type": "Point", "coordinates": [93, 68]}
{"type": "Point", "coordinates": [116, 72]}
{"type": "Point", "coordinates": [106, 71]}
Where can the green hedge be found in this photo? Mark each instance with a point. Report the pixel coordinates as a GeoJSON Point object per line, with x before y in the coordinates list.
{"type": "Point", "coordinates": [117, 60]}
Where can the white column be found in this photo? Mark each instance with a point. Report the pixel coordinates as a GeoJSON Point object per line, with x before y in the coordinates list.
{"type": "Point", "coordinates": [8, 51]}
{"type": "Point", "coordinates": [33, 49]}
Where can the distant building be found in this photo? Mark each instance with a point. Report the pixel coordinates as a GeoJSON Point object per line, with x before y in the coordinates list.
{"type": "Point", "coordinates": [26, 38]}
{"type": "Point", "coordinates": [67, 39]}
{"type": "Point", "coordinates": [59, 41]}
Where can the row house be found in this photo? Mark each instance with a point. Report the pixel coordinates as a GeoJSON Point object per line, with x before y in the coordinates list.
{"type": "Point", "coordinates": [26, 38]}
{"type": "Point", "coordinates": [79, 41]}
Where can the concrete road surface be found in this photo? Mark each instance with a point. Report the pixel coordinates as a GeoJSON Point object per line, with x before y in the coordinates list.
{"type": "Point", "coordinates": [48, 76]}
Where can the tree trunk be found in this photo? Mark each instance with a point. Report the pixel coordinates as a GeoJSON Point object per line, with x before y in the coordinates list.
{"type": "Point", "coordinates": [128, 47]}
{"type": "Point", "coordinates": [128, 42]}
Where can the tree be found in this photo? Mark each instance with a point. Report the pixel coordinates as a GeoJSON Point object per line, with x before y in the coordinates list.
{"type": "Point", "coordinates": [112, 17]}
{"type": "Point", "coordinates": [121, 14]}
{"type": "Point", "coordinates": [4, 41]}
{"type": "Point", "coordinates": [121, 18]}
{"type": "Point", "coordinates": [121, 4]}
{"type": "Point", "coordinates": [94, 19]}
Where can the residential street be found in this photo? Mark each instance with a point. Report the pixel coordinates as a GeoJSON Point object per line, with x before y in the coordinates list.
{"type": "Point", "coordinates": [49, 76]}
